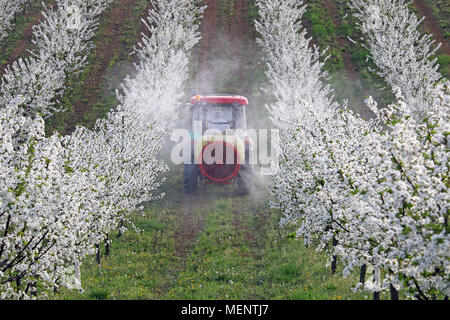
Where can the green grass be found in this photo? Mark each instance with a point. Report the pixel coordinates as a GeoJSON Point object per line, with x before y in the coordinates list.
{"type": "Point", "coordinates": [321, 27]}
{"type": "Point", "coordinates": [15, 34]}
{"type": "Point", "coordinates": [239, 252]}
{"type": "Point", "coordinates": [444, 64]}
{"type": "Point", "coordinates": [118, 67]}
{"type": "Point", "coordinates": [254, 261]}
{"type": "Point", "coordinates": [441, 10]}
{"type": "Point", "coordinates": [139, 266]}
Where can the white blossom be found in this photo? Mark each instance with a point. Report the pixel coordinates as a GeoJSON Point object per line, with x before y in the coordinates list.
{"type": "Point", "coordinates": [404, 56]}
{"type": "Point", "coordinates": [62, 42]}
{"type": "Point", "coordinates": [368, 192]}
{"type": "Point", "coordinates": [61, 196]}
{"type": "Point", "coordinates": [8, 10]}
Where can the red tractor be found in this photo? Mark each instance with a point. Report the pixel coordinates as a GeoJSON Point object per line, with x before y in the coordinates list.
{"type": "Point", "coordinates": [220, 149]}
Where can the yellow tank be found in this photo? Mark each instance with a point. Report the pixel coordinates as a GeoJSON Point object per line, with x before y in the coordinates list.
{"type": "Point", "coordinates": [234, 141]}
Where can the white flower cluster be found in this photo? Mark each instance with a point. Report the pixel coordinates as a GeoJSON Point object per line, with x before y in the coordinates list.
{"type": "Point", "coordinates": [8, 9]}
{"type": "Point", "coordinates": [44, 213]}
{"type": "Point", "coordinates": [61, 45]}
{"type": "Point", "coordinates": [409, 199]}
{"type": "Point", "coordinates": [404, 56]}
{"type": "Point", "coordinates": [369, 192]}
{"type": "Point", "coordinates": [61, 196]}
{"type": "Point", "coordinates": [163, 60]}
{"type": "Point", "coordinates": [121, 152]}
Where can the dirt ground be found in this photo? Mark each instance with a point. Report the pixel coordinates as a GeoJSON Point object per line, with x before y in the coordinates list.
{"type": "Point", "coordinates": [25, 40]}
{"type": "Point", "coordinates": [350, 67]}
{"type": "Point", "coordinates": [221, 26]}
{"type": "Point", "coordinates": [432, 25]}
{"type": "Point", "coordinates": [190, 224]}
{"type": "Point", "coordinates": [225, 51]}
{"type": "Point", "coordinates": [104, 52]}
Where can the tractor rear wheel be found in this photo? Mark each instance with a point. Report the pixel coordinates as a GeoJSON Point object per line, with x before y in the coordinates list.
{"type": "Point", "coordinates": [245, 180]}
{"type": "Point", "coordinates": [190, 178]}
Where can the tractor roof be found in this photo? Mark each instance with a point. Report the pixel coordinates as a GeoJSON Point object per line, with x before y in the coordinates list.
{"type": "Point", "coordinates": [220, 99]}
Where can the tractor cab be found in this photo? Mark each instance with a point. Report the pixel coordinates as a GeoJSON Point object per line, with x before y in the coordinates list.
{"type": "Point", "coordinates": [219, 112]}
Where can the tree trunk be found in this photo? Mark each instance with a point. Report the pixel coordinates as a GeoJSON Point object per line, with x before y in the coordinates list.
{"type": "Point", "coordinates": [18, 284]}
{"type": "Point", "coordinates": [376, 276]}
{"type": "Point", "coordinates": [362, 275]}
{"type": "Point", "coordinates": [120, 229]}
{"type": "Point", "coordinates": [32, 288]}
{"type": "Point", "coordinates": [98, 253]}
{"type": "Point", "coordinates": [107, 246]}
{"type": "Point", "coordinates": [334, 262]}
{"type": "Point", "coordinates": [394, 292]}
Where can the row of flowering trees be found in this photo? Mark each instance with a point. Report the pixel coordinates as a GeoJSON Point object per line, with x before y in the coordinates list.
{"type": "Point", "coordinates": [8, 10]}
{"type": "Point", "coordinates": [61, 42]}
{"type": "Point", "coordinates": [60, 196]}
{"type": "Point", "coordinates": [369, 192]}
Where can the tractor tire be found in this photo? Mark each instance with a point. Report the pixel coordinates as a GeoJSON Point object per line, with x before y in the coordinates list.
{"type": "Point", "coordinates": [190, 178]}
{"type": "Point", "coordinates": [245, 180]}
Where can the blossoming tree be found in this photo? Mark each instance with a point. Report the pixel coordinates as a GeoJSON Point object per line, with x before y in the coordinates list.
{"type": "Point", "coordinates": [61, 196]}
{"type": "Point", "coordinates": [8, 9]}
{"type": "Point", "coordinates": [332, 176]}
{"type": "Point", "coordinates": [62, 42]}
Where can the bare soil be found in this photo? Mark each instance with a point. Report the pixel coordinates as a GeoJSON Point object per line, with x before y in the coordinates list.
{"type": "Point", "coordinates": [105, 51]}
{"type": "Point", "coordinates": [219, 28]}
{"type": "Point", "coordinates": [209, 32]}
{"type": "Point", "coordinates": [432, 25]}
{"type": "Point", "coordinates": [189, 226]}
{"type": "Point", "coordinates": [242, 30]}
{"type": "Point", "coordinates": [226, 49]}
{"type": "Point", "coordinates": [25, 41]}
{"type": "Point", "coordinates": [350, 68]}
{"type": "Point", "coordinates": [240, 225]}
